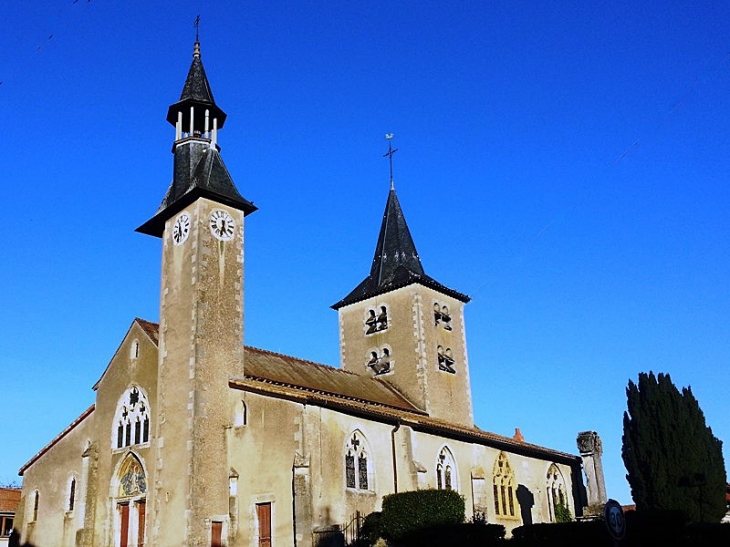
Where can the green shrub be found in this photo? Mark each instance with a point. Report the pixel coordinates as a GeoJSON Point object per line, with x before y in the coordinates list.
{"type": "Point", "coordinates": [371, 529]}
{"type": "Point", "coordinates": [408, 512]}
{"type": "Point", "coordinates": [562, 513]}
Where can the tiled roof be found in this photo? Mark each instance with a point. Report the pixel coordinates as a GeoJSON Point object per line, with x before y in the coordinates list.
{"type": "Point", "coordinates": [396, 262]}
{"type": "Point", "coordinates": [284, 370]}
{"type": "Point", "coordinates": [417, 420]}
{"type": "Point", "coordinates": [307, 382]}
{"type": "Point", "coordinates": [151, 329]}
{"type": "Point", "coordinates": [9, 499]}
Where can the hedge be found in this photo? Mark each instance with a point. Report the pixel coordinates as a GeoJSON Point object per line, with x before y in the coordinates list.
{"type": "Point", "coordinates": [408, 512]}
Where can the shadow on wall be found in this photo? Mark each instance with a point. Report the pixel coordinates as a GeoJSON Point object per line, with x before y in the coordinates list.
{"type": "Point", "coordinates": [14, 540]}
{"type": "Point", "coordinates": [526, 500]}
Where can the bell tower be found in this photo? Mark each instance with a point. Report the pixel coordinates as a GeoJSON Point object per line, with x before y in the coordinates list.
{"type": "Point", "coordinates": [200, 222]}
{"type": "Point", "coordinates": [404, 327]}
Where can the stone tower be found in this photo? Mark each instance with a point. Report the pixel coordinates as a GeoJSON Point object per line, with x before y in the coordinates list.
{"type": "Point", "coordinates": [200, 222]}
{"type": "Point", "coordinates": [405, 327]}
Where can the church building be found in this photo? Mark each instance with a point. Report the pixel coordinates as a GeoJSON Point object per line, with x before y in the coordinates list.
{"type": "Point", "coordinates": [195, 439]}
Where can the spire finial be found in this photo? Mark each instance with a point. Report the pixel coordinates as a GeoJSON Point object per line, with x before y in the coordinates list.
{"type": "Point", "coordinates": [389, 155]}
{"type": "Point", "coordinates": [196, 49]}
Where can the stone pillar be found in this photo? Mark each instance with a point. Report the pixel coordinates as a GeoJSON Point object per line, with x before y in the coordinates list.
{"type": "Point", "coordinates": [591, 449]}
{"type": "Point", "coordinates": [302, 490]}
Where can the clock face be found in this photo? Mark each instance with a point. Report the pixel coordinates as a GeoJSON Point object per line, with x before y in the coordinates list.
{"type": "Point", "coordinates": [222, 225]}
{"type": "Point", "coordinates": [181, 229]}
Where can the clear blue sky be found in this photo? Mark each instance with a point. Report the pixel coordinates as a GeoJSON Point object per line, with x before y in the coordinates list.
{"type": "Point", "coordinates": [564, 163]}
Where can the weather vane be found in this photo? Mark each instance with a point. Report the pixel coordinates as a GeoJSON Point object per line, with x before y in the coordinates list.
{"type": "Point", "coordinates": [196, 24]}
{"type": "Point", "coordinates": [389, 154]}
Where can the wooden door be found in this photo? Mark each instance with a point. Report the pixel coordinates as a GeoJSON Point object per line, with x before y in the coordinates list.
{"type": "Point", "coordinates": [216, 534]}
{"type": "Point", "coordinates": [123, 524]}
{"type": "Point", "coordinates": [141, 517]}
{"type": "Point", "coordinates": [263, 512]}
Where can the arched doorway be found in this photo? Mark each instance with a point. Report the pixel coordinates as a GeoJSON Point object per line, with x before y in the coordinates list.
{"type": "Point", "coordinates": [130, 503]}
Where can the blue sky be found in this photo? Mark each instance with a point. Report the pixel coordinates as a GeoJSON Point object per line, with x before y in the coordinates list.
{"type": "Point", "coordinates": [566, 164]}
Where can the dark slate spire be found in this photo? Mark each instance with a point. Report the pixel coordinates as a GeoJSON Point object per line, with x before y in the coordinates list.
{"type": "Point", "coordinates": [198, 170]}
{"type": "Point", "coordinates": [395, 246]}
{"type": "Point", "coordinates": [396, 263]}
{"type": "Point", "coordinates": [196, 93]}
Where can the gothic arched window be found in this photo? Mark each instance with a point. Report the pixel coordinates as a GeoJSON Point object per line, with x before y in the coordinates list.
{"type": "Point", "coordinates": [504, 487]}
{"type": "Point", "coordinates": [446, 470]}
{"type": "Point", "coordinates": [358, 466]}
{"type": "Point", "coordinates": [132, 419]}
{"type": "Point", "coordinates": [556, 493]}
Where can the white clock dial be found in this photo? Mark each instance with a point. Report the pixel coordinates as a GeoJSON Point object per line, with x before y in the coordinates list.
{"type": "Point", "coordinates": [181, 229]}
{"type": "Point", "coordinates": [222, 225]}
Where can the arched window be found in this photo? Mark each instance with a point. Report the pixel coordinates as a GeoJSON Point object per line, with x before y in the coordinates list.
{"type": "Point", "coordinates": [445, 359]}
{"type": "Point", "coordinates": [446, 470]}
{"type": "Point", "coordinates": [358, 466]}
{"type": "Point", "coordinates": [504, 487]}
{"type": "Point", "coordinates": [71, 494]}
{"type": "Point", "coordinates": [556, 493]}
{"type": "Point", "coordinates": [132, 419]}
{"type": "Point", "coordinates": [380, 360]}
{"type": "Point", "coordinates": [241, 417]}
{"type": "Point", "coordinates": [36, 503]}
{"type": "Point", "coordinates": [441, 316]}
{"type": "Point", "coordinates": [134, 350]}
{"type": "Point", "coordinates": [376, 319]}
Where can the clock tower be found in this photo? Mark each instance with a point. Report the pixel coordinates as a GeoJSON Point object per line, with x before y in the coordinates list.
{"type": "Point", "coordinates": [200, 222]}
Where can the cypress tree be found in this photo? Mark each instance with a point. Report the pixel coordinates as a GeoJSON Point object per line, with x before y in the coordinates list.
{"type": "Point", "coordinates": [674, 462]}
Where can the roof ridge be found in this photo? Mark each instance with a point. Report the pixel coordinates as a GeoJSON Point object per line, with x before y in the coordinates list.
{"type": "Point", "coordinates": [296, 387]}
{"type": "Point", "coordinates": [305, 361]}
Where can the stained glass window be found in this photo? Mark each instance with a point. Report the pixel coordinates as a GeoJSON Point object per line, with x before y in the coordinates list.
{"type": "Point", "coordinates": [350, 470]}
{"type": "Point", "coordinates": [362, 468]}
{"type": "Point", "coordinates": [356, 449]}
{"type": "Point", "coordinates": [132, 419]}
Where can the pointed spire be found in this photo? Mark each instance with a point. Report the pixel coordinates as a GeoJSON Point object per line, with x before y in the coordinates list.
{"type": "Point", "coordinates": [395, 245]}
{"type": "Point", "coordinates": [198, 169]}
{"type": "Point", "coordinates": [396, 262]}
{"type": "Point", "coordinates": [196, 94]}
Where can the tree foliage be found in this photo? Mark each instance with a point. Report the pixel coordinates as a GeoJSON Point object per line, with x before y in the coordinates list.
{"type": "Point", "coordinates": [674, 462]}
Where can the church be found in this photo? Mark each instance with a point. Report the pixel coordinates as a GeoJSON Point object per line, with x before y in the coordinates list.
{"type": "Point", "coordinates": [196, 439]}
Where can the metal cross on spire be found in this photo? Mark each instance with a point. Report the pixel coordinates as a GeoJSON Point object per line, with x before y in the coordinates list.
{"type": "Point", "coordinates": [196, 24]}
{"type": "Point", "coordinates": [389, 155]}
